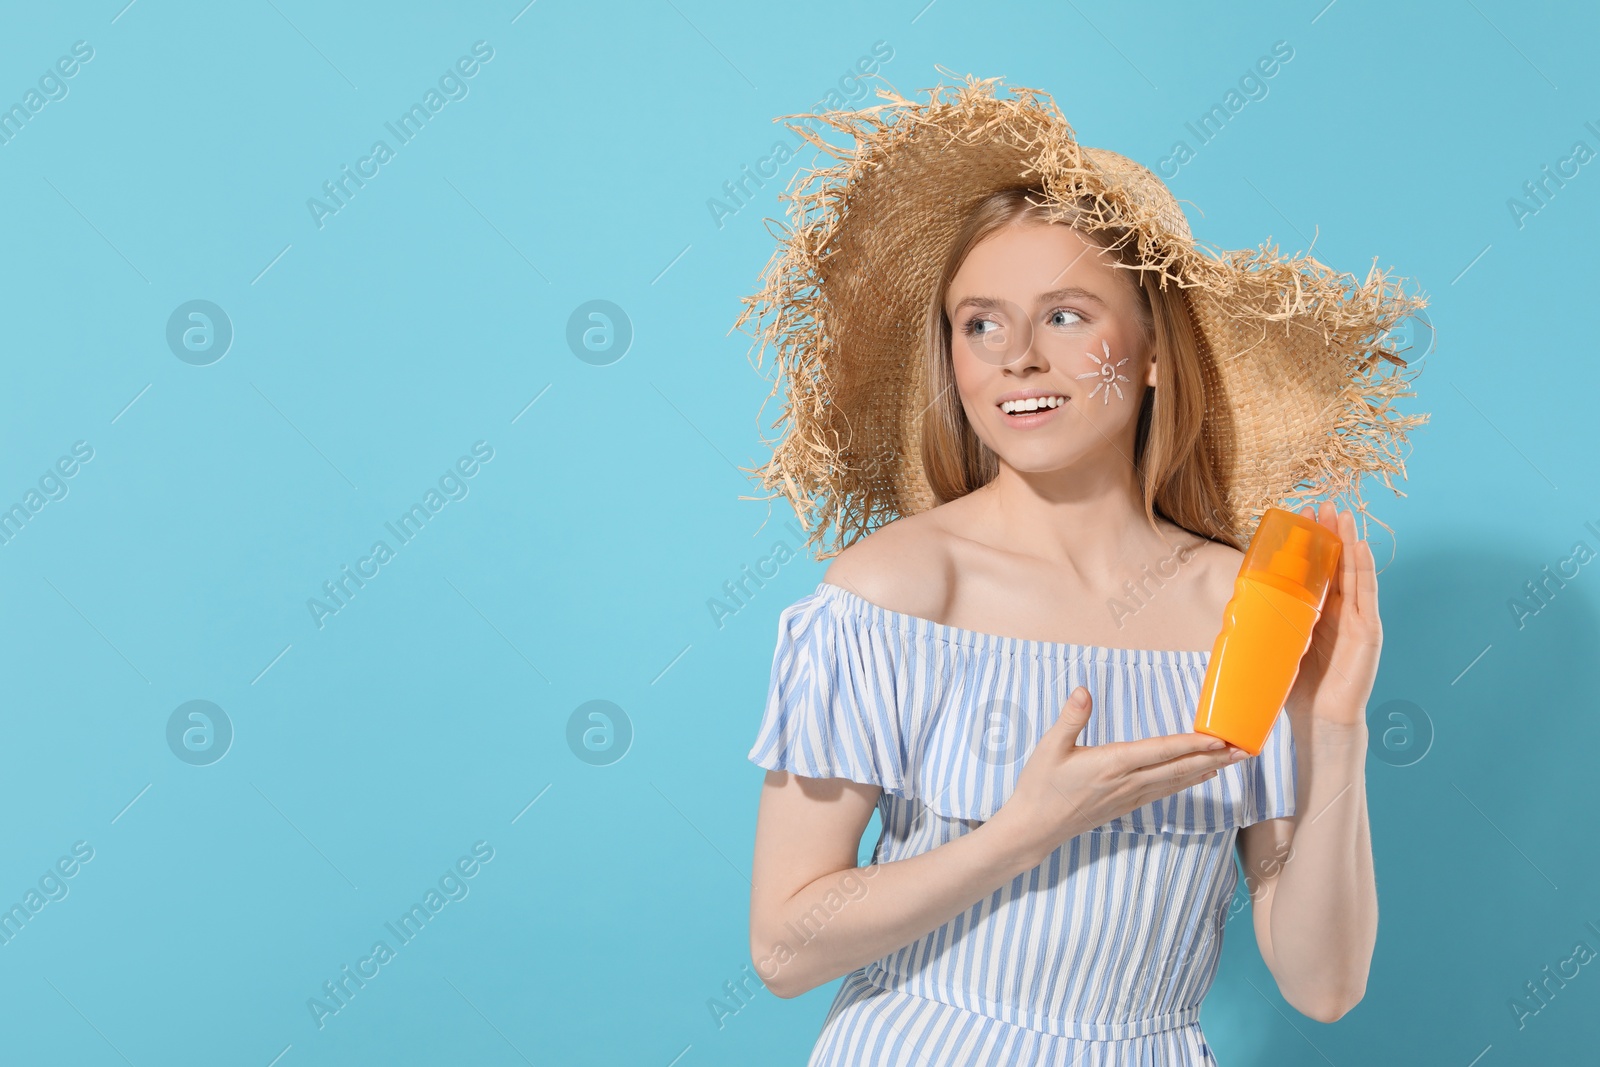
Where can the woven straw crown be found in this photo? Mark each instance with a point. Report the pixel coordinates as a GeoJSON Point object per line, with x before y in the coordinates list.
{"type": "Point", "coordinates": [1297, 400]}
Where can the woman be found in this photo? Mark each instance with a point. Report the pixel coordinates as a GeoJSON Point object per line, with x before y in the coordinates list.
{"type": "Point", "coordinates": [1009, 676]}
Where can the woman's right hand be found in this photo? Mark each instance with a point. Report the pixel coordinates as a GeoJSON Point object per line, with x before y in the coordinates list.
{"type": "Point", "coordinates": [1065, 789]}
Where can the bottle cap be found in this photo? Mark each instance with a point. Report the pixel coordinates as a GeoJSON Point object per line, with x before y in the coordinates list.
{"type": "Point", "coordinates": [1290, 549]}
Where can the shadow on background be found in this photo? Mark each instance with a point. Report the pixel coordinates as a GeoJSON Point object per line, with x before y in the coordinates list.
{"type": "Point", "coordinates": [1487, 870]}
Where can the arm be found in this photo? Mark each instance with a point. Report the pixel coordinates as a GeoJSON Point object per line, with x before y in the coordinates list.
{"type": "Point", "coordinates": [815, 915]}
{"type": "Point", "coordinates": [1316, 915]}
{"type": "Point", "coordinates": [1314, 900]}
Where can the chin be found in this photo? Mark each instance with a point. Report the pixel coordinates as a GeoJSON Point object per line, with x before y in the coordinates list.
{"type": "Point", "coordinates": [1037, 460]}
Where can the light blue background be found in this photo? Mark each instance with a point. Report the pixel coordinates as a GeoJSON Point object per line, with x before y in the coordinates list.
{"type": "Point", "coordinates": [432, 710]}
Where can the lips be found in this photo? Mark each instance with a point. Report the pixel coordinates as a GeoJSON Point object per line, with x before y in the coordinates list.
{"type": "Point", "coordinates": [1028, 419]}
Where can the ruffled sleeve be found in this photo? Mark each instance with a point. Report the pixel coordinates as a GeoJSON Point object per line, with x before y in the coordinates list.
{"type": "Point", "coordinates": [1271, 777]}
{"type": "Point", "coordinates": [1255, 789]}
{"type": "Point", "coordinates": [831, 710]}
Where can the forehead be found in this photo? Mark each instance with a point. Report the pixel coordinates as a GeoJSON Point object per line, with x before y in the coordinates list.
{"type": "Point", "coordinates": [1019, 262]}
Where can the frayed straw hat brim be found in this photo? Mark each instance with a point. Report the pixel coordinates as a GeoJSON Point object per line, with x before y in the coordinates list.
{"type": "Point", "coordinates": [1301, 376]}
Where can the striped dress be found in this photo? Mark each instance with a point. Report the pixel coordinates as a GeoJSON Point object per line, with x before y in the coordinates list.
{"type": "Point", "coordinates": [1102, 953]}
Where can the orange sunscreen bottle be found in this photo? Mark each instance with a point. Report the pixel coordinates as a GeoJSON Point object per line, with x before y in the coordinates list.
{"type": "Point", "coordinates": [1266, 628]}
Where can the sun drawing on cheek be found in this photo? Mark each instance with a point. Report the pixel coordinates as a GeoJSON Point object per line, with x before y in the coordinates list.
{"type": "Point", "coordinates": [1107, 374]}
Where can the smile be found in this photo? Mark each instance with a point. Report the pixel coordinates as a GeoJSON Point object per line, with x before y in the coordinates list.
{"type": "Point", "coordinates": [1032, 405]}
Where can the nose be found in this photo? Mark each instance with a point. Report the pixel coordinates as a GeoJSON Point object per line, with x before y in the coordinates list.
{"type": "Point", "coordinates": [1028, 355]}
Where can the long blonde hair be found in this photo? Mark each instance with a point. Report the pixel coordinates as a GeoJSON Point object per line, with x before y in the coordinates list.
{"type": "Point", "coordinates": [1171, 453]}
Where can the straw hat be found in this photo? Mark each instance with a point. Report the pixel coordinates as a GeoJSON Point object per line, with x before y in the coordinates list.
{"type": "Point", "coordinates": [1298, 403]}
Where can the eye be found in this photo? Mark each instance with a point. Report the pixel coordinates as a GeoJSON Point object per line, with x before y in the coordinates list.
{"type": "Point", "coordinates": [972, 326]}
{"type": "Point", "coordinates": [1073, 320]}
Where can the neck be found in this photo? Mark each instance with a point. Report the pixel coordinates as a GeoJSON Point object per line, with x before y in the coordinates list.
{"type": "Point", "coordinates": [1085, 520]}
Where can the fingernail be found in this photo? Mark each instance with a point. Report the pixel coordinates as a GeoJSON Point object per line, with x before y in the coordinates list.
{"type": "Point", "coordinates": [1079, 695]}
{"type": "Point", "coordinates": [1237, 754]}
{"type": "Point", "coordinates": [1218, 743]}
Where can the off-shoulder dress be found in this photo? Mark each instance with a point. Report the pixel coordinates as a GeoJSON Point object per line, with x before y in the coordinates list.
{"type": "Point", "coordinates": [1100, 955]}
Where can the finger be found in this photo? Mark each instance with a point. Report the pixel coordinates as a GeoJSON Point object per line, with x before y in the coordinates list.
{"type": "Point", "coordinates": [1361, 572]}
{"type": "Point", "coordinates": [1148, 751]}
{"type": "Point", "coordinates": [1351, 541]}
{"type": "Point", "coordinates": [1170, 784]}
{"type": "Point", "coordinates": [1186, 766]}
{"type": "Point", "coordinates": [1329, 517]}
{"type": "Point", "coordinates": [1368, 581]}
{"type": "Point", "coordinates": [1074, 714]}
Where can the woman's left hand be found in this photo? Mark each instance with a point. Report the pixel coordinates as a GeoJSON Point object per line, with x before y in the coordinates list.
{"type": "Point", "coordinates": [1338, 670]}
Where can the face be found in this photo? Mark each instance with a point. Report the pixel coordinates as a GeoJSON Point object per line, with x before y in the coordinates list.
{"type": "Point", "coordinates": [1047, 349]}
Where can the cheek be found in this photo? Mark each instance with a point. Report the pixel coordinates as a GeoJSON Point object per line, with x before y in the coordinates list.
{"type": "Point", "coordinates": [971, 377]}
{"type": "Point", "coordinates": [1105, 372]}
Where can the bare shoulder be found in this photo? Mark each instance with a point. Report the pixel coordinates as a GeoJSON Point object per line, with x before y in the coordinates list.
{"type": "Point", "coordinates": [904, 566]}
{"type": "Point", "coordinates": [1220, 567]}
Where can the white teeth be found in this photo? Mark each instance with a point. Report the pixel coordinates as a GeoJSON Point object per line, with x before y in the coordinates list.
{"type": "Point", "coordinates": [1012, 407]}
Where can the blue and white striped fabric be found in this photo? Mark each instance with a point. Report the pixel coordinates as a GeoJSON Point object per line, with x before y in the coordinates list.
{"type": "Point", "coordinates": [1101, 954]}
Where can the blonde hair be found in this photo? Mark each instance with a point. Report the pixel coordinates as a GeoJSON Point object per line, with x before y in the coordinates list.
{"type": "Point", "coordinates": [1171, 451]}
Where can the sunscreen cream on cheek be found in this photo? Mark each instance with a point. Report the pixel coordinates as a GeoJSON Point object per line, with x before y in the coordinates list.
{"type": "Point", "coordinates": [1266, 628]}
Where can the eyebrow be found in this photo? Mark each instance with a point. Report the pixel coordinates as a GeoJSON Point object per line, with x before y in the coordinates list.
{"type": "Point", "coordinates": [1069, 293]}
